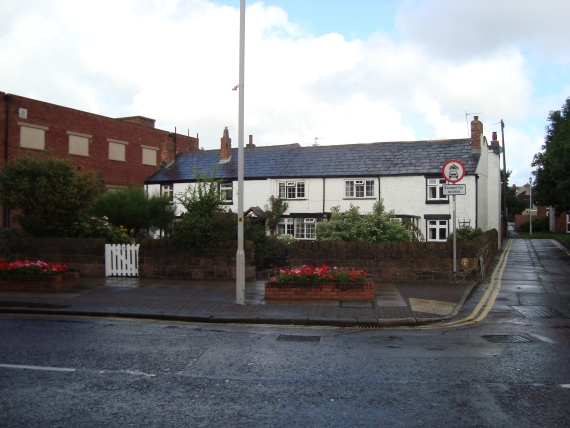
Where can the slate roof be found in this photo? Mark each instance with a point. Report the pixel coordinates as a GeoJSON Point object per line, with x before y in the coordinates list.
{"type": "Point", "coordinates": [349, 160]}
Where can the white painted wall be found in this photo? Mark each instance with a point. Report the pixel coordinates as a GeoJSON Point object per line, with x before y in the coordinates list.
{"type": "Point", "coordinates": [405, 195]}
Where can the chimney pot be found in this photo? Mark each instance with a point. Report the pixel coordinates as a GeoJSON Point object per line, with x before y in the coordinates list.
{"type": "Point", "coordinates": [476, 133]}
{"type": "Point", "coordinates": [250, 144]}
{"type": "Point", "coordinates": [226, 147]}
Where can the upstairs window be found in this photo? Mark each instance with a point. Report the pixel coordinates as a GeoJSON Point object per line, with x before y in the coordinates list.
{"type": "Point", "coordinates": [166, 190]}
{"type": "Point", "coordinates": [32, 136]}
{"type": "Point", "coordinates": [226, 192]}
{"type": "Point", "coordinates": [78, 143]}
{"type": "Point", "coordinates": [149, 155]}
{"type": "Point", "coordinates": [359, 189]}
{"type": "Point", "coordinates": [117, 150]}
{"type": "Point", "coordinates": [292, 190]}
{"type": "Point", "coordinates": [435, 189]}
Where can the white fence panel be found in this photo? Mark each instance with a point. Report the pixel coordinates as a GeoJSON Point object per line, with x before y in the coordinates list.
{"type": "Point", "coordinates": [121, 260]}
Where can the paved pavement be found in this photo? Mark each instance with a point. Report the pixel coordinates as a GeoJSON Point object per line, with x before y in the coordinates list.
{"type": "Point", "coordinates": [214, 301]}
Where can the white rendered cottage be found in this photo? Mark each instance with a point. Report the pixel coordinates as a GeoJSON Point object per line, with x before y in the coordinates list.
{"type": "Point", "coordinates": [406, 175]}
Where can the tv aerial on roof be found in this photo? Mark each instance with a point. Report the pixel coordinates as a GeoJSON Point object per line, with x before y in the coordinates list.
{"type": "Point", "coordinates": [315, 144]}
{"type": "Point", "coordinates": [467, 121]}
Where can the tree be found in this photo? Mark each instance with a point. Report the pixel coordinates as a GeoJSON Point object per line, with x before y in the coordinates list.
{"type": "Point", "coordinates": [134, 209]}
{"type": "Point", "coordinates": [273, 212]}
{"type": "Point", "coordinates": [49, 192]}
{"type": "Point", "coordinates": [552, 164]}
{"type": "Point", "coordinates": [350, 225]}
{"type": "Point", "coordinates": [514, 205]}
{"type": "Point", "coordinates": [206, 218]}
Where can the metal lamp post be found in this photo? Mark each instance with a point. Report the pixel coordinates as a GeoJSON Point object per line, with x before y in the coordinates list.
{"type": "Point", "coordinates": [530, 207]}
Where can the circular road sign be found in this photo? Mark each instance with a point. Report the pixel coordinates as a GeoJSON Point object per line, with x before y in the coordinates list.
{"type": "Point", "coordinates": [453, 171]}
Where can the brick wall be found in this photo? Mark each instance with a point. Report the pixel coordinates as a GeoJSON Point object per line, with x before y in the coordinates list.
{"type": "Point", "coordinates": [312, 290]}
{"type": "Point", "coordinates": [401, 261]}
{"type": "Point", "coordinates": [157, 258]}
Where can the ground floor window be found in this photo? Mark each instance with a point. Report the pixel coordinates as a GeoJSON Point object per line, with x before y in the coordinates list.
{"type": "Point", "coordinates": [299, 228]}
{"type": "Point", "coordinates": [567, 223]}
{"type": "Point", "coordinates": [437, 230]}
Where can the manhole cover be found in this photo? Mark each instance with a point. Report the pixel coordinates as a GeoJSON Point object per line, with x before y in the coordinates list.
{"type": "Point", "coordinates": [505, 338]}
{"type": "Point", "coordinates": [293, 338]}
{"type": "Point", "coordinates": [536, 311]}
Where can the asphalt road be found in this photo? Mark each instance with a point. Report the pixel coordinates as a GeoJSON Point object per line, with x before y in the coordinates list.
{"type": "Point", "coordinates": [510, 369]}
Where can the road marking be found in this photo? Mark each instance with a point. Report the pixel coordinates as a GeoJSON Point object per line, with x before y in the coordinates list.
{"type": "Point", "coordinates": [557, 244]}
{"type": "Point", "coordinates": [487, 301]}
{"type": "Point", "coordinates": [565, 385]}
{"type": "Point", "coordinates": [52, 369]}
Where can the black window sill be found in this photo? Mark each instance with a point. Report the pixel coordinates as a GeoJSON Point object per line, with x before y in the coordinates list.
{"type": "Point", "coordinates": [437, 202]}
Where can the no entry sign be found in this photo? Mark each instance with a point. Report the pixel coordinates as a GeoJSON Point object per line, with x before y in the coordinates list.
{"type": "Point", "coordinates": [453, 171]}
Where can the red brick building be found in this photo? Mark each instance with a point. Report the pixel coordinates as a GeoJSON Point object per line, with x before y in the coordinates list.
{"type": "Point", "coordinates": [124, 150]}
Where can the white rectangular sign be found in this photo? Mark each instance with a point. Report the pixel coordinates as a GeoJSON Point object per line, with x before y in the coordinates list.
{"type": "Point", "coordinates": [454, 189]}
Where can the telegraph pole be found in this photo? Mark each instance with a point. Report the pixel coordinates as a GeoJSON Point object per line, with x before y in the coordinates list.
{"type": "Point", "coordinates": [505, 187]}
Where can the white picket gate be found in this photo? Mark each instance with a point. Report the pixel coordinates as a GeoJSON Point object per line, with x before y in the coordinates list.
{"type": "Point", "coordinates": [121, 260]}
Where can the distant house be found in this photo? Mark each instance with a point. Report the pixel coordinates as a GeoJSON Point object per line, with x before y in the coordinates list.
{"type": "Point", "coordinates": [125, 150]}
{"type": "Point", "coordinates": [405, 175]}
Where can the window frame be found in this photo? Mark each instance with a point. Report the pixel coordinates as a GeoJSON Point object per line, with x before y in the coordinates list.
{"type": "Point", "coordinates": [351, 188]}
{"type": "Point", "coordinates": [76, 135]}
{"type": "Point", "coordinates": [300, 228]}
{"type": "Point", "coordinates": [118, 143]}
{"type": "Point", "coordinates": [167, 189]}
{"type": "Point", "coordinates": [149, 149]}
{"type": "Point", "coordinates": [440, 197]}
{"type": "Point", "coordinates": [225, 189]}
{"type": "Point", "coordinates": [31, 133]}
{"type": "Point", "coordinates": [438, 227]}
{"type": "Point", "coordinates": [291, 190]}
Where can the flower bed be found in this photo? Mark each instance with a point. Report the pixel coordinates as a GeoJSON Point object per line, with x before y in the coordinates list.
{"type": "Point", "coordinates": [36, 276]}
{"type": "Point", "coordinates": [322, 282]}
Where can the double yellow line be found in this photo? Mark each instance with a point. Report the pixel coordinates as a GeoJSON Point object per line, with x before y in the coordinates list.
{"type": "Point", "coordinates": [559, 245]}
{"type": "Point", "coordinates": [488, 299]}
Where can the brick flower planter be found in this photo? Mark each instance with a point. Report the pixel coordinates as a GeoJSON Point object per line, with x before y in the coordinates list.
{"type": "Point", "coordinates": [47, 283]}
{"type": "Point", "coordinates": [319, 290]}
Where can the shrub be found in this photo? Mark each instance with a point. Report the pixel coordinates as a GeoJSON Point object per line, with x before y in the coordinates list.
{"type": "Point", "coordinates": [465, 233]}
{"type": "Point", "coordinates": [350, 225]}
{"type": "Point", "coordinates": [206, 218]}
{"type": "Point", "coordinates": [94, 227]}
{"type": "Point", "coordinates": [134, 209]}
{"type": "Point", "coordinates": [49, 192]}
{"type": "Point", "coordinates": [538, 225]}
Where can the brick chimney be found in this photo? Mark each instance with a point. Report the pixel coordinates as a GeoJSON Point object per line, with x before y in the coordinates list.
{"type": "Point", "coordinates": [495, 142]}
{"type": "Point", "coordinates": [476, 133]}
{"type": "Point", "coordinates": [226, 147]}
{"type": "Point", "coordinates": [250, 145]}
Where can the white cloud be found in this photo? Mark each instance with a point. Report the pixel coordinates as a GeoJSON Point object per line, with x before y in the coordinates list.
{"type": "Point", "coordinates": [176, 61]}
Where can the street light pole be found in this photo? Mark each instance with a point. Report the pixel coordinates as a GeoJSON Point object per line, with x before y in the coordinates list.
{"type": "Point", "coordinates": [530, 207]}
{"type": "Point", "coordinates": [240, 256]}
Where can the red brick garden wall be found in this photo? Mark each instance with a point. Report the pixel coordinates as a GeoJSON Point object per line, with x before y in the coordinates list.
{"type": "Point", "coordinates": [401, 261]}
{"type": "Point", "coordinates": [157, 259]}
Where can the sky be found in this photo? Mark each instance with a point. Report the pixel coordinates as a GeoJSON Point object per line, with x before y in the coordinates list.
{"type": "Point", "coordinates": [325, 71]}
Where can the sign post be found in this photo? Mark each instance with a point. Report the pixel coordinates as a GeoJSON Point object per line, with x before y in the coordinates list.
{"type": "Point", "coordinates": [453, 171]}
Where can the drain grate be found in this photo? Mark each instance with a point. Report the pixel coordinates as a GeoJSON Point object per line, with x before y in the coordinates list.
{"type": "Point", "coordinates": [293, 338]}
{"type": "Point", "coordinates": [536, 311]}
{"type": "Point", "coordinates": [502, 299]}
{"type": "Point", "coordinates": [505, 338]}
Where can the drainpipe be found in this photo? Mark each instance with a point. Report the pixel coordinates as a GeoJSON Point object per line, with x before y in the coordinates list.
{"type": "Point", "coordinates": [7, 98]}
{"type": "Point", "coordinates": [324, 197]}
{"type": "Point", "coordinates": [476, 201]}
